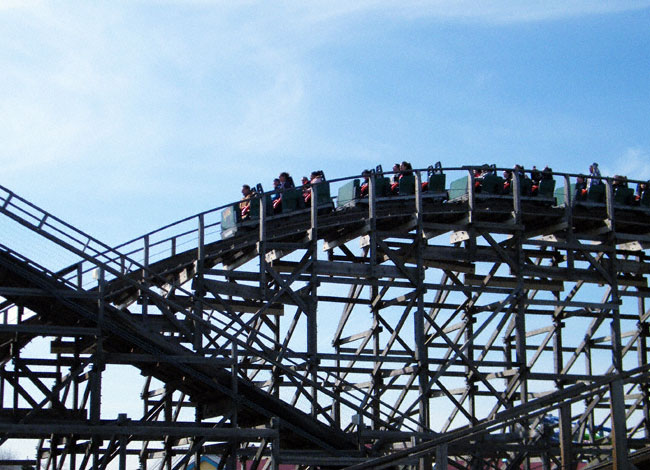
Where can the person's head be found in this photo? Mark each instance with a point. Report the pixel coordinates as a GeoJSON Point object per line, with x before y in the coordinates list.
{"type": "Point", "coordinates": [366, 174]}
{"type": "Point", "coordinates": [276, 183]}
{"type": "Point", "coordinates": [284, 176]}
{"type": "Point", "coordinates": [396, 167]}
{"type": "Point", "coordinates": [245, 190]}
{"type": "Point", "coordinates": [580, 179]}
{"type": "Point", "coordinates": [305, 180]}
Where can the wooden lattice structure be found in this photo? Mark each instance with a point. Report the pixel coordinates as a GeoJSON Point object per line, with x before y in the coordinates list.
{"type": "Point", "coordinates": [466, 330]}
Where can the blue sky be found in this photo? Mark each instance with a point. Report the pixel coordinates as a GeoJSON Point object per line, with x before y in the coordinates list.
{"type": "Point", "coordinates": [123, 116]}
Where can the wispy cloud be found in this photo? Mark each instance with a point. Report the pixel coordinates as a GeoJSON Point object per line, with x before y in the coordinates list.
{"type": "Point", "coordinates": [129, 90]}
{"type": "Point", "coordinates": [494, 11]}
{"type": "Point", "coordinates": [91, 76]}
{"type": "Point", "coordinates": [20, 4]}
{"type": "Point", "coordinates": [633, 163]}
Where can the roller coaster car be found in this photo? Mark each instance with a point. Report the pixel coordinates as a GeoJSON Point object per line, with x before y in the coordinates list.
{"type": "Point", "coordinates": [292, 203]}
{"type": "Point", "coordinates": [595, 196]}
{"type": "Point", "coordinates": [232, 221]}
{"type": "Point", "coordinates": [491, 186]}
{"type": "Point", "coordinates": [434, 188]}
{"type": "Point", "coordinates": [436, 181]}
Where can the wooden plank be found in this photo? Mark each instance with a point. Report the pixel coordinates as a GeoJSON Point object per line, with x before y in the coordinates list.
{"type": "Point", "coordinates": [344, 300]}
{"type": "Point", "coordinates": [632, 281]}
{"type": "Point", "coordinates": [454, 266]}
{"type": "Point", "coordinates": [231, 288]}
{"type": "Point", "coordinates": [287, 246]}
{"type": "Point", "coordinates": [70, 347]}
{"type": "Point", "coordinates": [453, 391]}
{"type": "Point", "coordinates": [397, 372]}
{"type": "Point", "coordinates": [483, 253]}
{"type": "Point", "coordinates": [274, 255]}
{"type": "Point", "coordinates": [508, 226]}
{"type": "Point", "coordinates": [511, 282]}
{"type": "Point", "coordinates": [442, 228]}
{"type": "Point", "coordinates": [284, 266]}
{"type": "Point", "coordinates": [358, 270]}
{"type": "Point", "coordinates": [245, 306]}
{"type": "Point", "coordinates": [400, 300]}
{"type": "Point", "coordinates": [547, 230]}
{"type": "Point", "coordinates": [234, 275]}
{"type": "Point", "coordinates": [346, 237]}
{"type": "Point", "coordinates": [539, 331]}
{"type": "Point", "coordinates": [355, 337]}
{"type": "Point", "coordinates": [240, 260]}
{"type": "Point", "coordinates": [502, 374]}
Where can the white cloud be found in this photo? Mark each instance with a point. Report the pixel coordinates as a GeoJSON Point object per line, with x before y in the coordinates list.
{"type": "Point", "coordinates": [20, 4]}
{"type": "Point", "coordinates": [492, 11]}
{"type": "Point", "coordinates": [129, 89]}
{"type": "Point", "coordinates": [633, 163]}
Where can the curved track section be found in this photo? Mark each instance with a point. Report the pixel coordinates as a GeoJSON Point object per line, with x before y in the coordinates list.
{"type": "Point", "coordinates": [484, 330]}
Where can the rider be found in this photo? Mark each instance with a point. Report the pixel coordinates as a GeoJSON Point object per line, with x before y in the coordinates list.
{"type": "Point", "coordinates": [366, 181]}
{"type": "Point", "coordinates": [276, 197]}
{"type": "Point", "coordinates": [245, 204]}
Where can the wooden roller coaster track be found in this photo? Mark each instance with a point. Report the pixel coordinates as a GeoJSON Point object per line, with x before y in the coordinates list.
{"type": "Point", "coordinates": [443, 326]}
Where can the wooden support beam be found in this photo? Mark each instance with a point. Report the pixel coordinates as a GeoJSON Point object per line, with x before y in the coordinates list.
{"type": "Point", "coordinates": [512, 282]}
{"type": "Point", "coordinates": [231, 288]}
{"type": "Point", "coordinates": [355, 270]}
{"type": "Point", "coordinates": [346, 237]}
{"type": "Point", "coordinates": [240, 306]}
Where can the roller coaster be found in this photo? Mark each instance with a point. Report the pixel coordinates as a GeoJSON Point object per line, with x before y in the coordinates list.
{"type": "Point", "coordinates": [460, 326]}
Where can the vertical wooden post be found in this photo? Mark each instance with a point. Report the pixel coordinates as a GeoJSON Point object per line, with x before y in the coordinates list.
{"type": "Point", "coordinates": [275, 443]}
{"type": "Point", "coordinates": [609, 199]}
{"type": "Point", "coordinates": [471, 192]}
{"type": "Point", "coordinates": [620, 449]}
{"type": "Point", "coordinates": [642, 355]}
{"type": "Point", "coordinates": [568, 220]}
{"type": "Point", "coordinates": [441, 457]}
{"type": "Point", "coordinates": [312, 319]}
{"type": "Point", "coordinates": [516, 197]}
{"type": "Point", "coordinates": [261, 245]}
{"type": "Point", "coordinates": [168, 452]}
{"type": "Point", "coordinates": [421, 350]}
{"type": "Point", "coordinates": [522, 303]}
{"type": "Point", "coordinates": [566, 451]}
{"type": "Point", "coordinates": [199, 289]}
{"type": "Point", "coordinates": [145, 299]}
{"type": "Point", "coordinates": [619, 432]}
{"type": "Point", "coordinates": [123, 441]}
{"type": "Point", "coordinates": [98, 358]}
{"type": "Point", "coordinates": [374, 293]}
